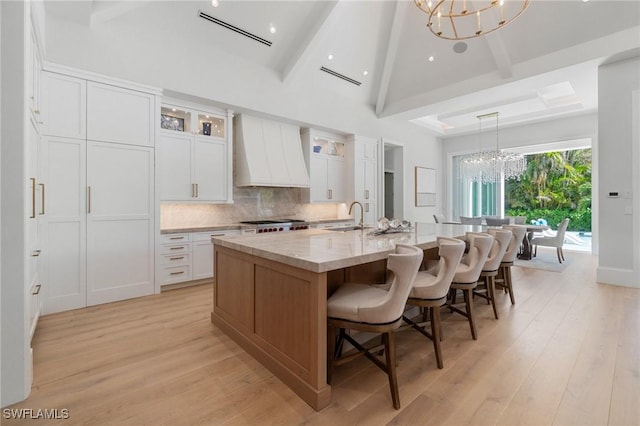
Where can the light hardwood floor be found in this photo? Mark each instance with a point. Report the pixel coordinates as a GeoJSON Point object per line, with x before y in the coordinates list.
{"type": "Point", "coordinates": [568, 352]}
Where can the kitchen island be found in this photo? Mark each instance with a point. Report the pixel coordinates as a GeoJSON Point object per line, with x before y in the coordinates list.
{"type": "Point", "coordinates": [270, 292]}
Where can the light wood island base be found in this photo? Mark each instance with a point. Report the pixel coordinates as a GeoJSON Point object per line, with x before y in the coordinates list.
{"type": "Point", "coordinates": [278, 314]}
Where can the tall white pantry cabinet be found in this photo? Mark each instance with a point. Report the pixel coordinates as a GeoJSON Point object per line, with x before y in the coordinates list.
{"type": "Point", "coordinates": [97, 172]}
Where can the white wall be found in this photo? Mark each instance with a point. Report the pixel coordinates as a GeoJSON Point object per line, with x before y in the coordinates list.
{"type": "Point", "coordinates": [15, 383]}
{"type": "Point", "coordinates": [617, 82]}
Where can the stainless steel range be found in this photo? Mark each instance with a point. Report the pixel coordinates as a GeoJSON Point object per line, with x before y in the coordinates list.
{"type": "Point", "coordinates": [273, 225]}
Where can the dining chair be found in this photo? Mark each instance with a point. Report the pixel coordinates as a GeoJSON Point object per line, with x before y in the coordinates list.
{"type": "Point", "coordinates": [495, 221]}
{"type": "Point", "coordinates": [504, 279]}
{"type": "Point", "coordinates": [467, 275]}
{"type": "Point", "coordinates": [374, 309]}
{"type": "Point", "coordinates": [501, 240]}
{"type": "Point", "coordinates": [552, 241]}
{"type": "Point", "coordinates": [477, 220]}
{"type": "Point", "coordinates": [431, 287]}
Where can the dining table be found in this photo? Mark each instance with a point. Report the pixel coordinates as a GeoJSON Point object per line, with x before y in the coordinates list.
{"type": "Point", "coordinates": [527, 250]}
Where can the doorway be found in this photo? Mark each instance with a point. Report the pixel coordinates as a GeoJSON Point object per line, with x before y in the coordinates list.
{"type": "Point", "coordinates": [388, 195]}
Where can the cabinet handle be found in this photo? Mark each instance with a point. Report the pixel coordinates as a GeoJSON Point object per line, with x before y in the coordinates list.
{"type": "Point", "coordinates": [37, 290]}
{"type": "Point", "coordinates": [177, 273]}
{"type": "Point", "coordinates": [36, 111]}
{"type": "Point", "coordinates": [197, 190]}
{"type": "Point", "coordinates": [42, 196]}
{"type": "Point", "coordinates": [36, 253]}
{"type": "Point", "coordinates": [176, 248]}
{"type": "Point", "coordinates": [33, 198]}
{"type": "Point", "coordinates": [176, 238]}
{"type": "Point", "coordinates": [366, 194]}
{"type": "Point", "coordinates": [218, 235]}
{"type": "Point", "coordinates": [176, 258]}
{"type": "Point", "coordinates": [88, 199]}
{"type": "Point", "coordinates": [193, 190]}
{"type": "Point", "coordinates": [366, 207]}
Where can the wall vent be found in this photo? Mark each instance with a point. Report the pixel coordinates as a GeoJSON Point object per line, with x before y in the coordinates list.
{"type": "Point", "coordinates": [228, 26]}
{"type": "Point", "coordinates": [337, 74]}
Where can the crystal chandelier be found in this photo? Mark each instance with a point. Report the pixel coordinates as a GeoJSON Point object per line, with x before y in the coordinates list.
{"type": "Point", "coordinates": [491, 166]}
{"type": "Point", "coordinates": [463, 19]}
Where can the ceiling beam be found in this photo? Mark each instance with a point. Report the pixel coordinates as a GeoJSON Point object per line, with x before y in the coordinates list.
{"type": "Point", "coordinates": [113, 9]}
{"type": "Point", "coordinates": [306, 45]}
{"type": "Point", "coordinates": [500, 55]}
{"type": "Point", "coordinates": [390, 56]}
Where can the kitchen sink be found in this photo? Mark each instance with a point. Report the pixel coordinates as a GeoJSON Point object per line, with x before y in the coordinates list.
{"type": "Point", "coordinates": [348, 228]}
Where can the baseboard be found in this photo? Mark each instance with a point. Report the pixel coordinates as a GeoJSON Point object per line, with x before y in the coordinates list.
{"type": "Point", "coordinates": [617, 276]}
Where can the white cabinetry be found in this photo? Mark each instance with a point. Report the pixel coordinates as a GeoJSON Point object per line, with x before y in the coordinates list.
{"type": "Point", "coordinates": [364, 152]}
{"type": "Point", "coordinates": [116, 114]}
{"type": "Point", "coordinates": [99, 219]}
{"type": "Point", "coordinates": [194, 156]}
{"type": "Point", "coordinates": [324, 154]}
{"type": "Point", "coordinates": [188, 256]}
{"type": "Point", "coordinates": [99, 222]}
{"type": "Point", "coordinates": [63, 105]}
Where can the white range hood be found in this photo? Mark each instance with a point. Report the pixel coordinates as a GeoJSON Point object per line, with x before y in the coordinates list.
{"type": "Point", "coordinates": [268, 153]}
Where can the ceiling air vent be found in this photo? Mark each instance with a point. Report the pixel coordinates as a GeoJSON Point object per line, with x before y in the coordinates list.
{"type": "Point", "coordinates": [233, 28]}
{"type": "Point", "coordinates": [337, 74]}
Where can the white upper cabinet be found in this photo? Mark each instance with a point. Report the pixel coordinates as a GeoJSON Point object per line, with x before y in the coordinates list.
{"type": "Point", "coordinates": [325, 155]}
{"type": "Point", "coordinates": [63, 105]}
{"type": "Point", "coordinates": [364, 170]}
{"type": "Point", "coordinates": [193, 156]}
{"type": "Point", "coordinates": [116, 114]}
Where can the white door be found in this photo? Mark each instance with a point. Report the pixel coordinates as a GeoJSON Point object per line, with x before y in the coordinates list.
{"type": "Point", "coordinates": [209, 159]}
{"type": "Point", "coordinates": [63, 105]}
{"type": "Point", "coordinates": [175, 167]}
{"type": "Point", "coordinates": [369, 181]}
{"type": "Point", "coordinates": [63, 254]}
{"type": "Point", "coordinates": [202, 259]}
{"type": "Point", "coordinates": [119, 222]}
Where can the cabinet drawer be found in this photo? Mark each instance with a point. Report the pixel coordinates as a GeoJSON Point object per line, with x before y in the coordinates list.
{"type": "Point", "coordinates": [176, 259]}
{"type": "Point", "coordinates": [174, 238]}
{"type": "Point", "coordinates": [175, 275]}
{"type": "Point", "coordinates": [177, 248]}
{"type": "Point", "coordinates": [206, 236]}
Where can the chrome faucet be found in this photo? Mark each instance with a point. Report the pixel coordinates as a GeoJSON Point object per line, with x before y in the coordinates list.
{"type": "Point", "coordinates": [361, 224]}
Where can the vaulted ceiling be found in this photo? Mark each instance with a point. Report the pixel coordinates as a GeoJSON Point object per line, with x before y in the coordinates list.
{"type": "Point", "coordinates": [542, 65]}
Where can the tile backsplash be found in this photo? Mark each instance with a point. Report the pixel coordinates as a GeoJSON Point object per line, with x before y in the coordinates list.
{"type": "Point", "coordinates": [249, 204]}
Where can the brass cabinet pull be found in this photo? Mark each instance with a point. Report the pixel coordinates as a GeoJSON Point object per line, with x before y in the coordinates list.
{"type": "Point", "coordinates": [177, 273]}
{"type": "Point", "coordinates": [176, 258]}
{"type": "Point", "coordinates": [218, 235]}
{"type": "Point", "coordinates": [33, 198]}
{"type": "Point", "coordinates": [36, 253]}
{"type": "Point", "coordinates": [366, 194]}
{"type": "Point", "coordinates": [88, 199]}
{"type": "Point", "coordinates": [42, 198]}
{"type": "Point", "coordinates": [176, 248]}
{"type": "Point", "coordinates": [37, 290]}
{"type": "Point", "coordinates": [176, 238]}
{"type": "Point", "coordinates": [366, 207]}
{"type": "Point", "coordinates": [36, 111]}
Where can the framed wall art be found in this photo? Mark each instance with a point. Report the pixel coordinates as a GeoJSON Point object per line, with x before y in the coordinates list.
{"type": "Point", "coordinates": [425, 184]}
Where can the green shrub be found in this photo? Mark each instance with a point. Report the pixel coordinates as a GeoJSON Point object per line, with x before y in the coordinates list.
{"type": "Point", "coordinates": [579, 219]}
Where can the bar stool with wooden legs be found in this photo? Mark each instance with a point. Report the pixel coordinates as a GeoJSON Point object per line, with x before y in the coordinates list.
{"type": "Point", "coordinates": [467, 274]}
{"type": "Point", "coordinates": [503, 280]}
{"type": "Point", "coordinates": [501, 240]}
{"type": "Point", "coordinates": [431, 287]}
{"type": "Point", "coordinates": [376, 309]}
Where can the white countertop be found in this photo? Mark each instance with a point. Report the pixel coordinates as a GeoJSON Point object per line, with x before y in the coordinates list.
{"type": "Point", "coordinates": [320, 250]}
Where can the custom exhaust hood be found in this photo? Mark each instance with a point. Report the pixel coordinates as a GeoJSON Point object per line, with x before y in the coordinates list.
{"type": "Point", "coordinates": [268, 153]}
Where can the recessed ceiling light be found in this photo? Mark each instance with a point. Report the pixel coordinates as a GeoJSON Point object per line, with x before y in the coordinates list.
{"type": "Point", "coordinates": [365, 72]}
{"type": "Point", "coordinates": [330, 57]}
{"type": "Point", "coordinates": [431, 58]}
{"type": "Point", "coordinates": [272, 29]}
{"type": "Point", "coordinates": [584, 1]}
{"type": "Point", "coordinates": [215, 3]}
